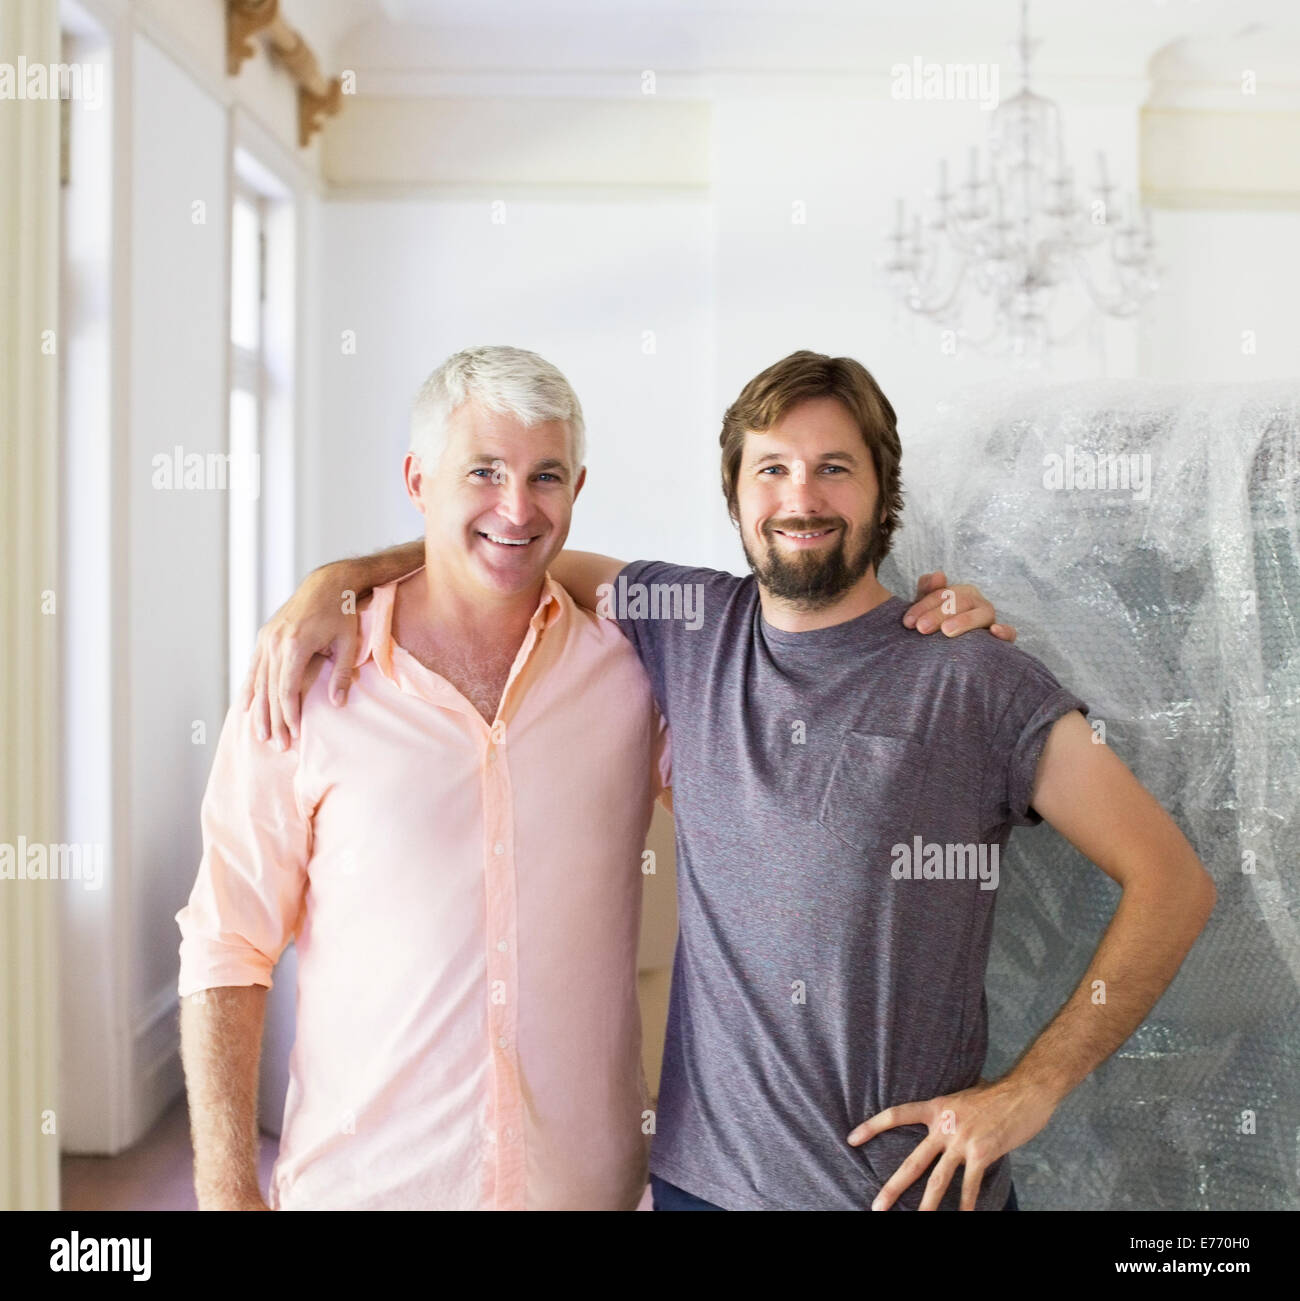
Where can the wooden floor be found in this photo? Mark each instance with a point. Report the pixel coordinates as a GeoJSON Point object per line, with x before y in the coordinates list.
{"type": "Point", "coordinates": [157, 1174]}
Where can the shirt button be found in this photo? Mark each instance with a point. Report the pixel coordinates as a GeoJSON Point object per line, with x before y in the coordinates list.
{"type": "Point", "coordinates": [510, 1133]}
{"type": "Point", "coordinates": [498, 848]}
{"type": "Point", "coordinates": [501, 1043]}
{"type": "Point", "coordinates": [502, 946]}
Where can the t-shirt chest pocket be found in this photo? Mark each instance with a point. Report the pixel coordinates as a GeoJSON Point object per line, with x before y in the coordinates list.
{"type": "Point", "coordinates": [873, 790]}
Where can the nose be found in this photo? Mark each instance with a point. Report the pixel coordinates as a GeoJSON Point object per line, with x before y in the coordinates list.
{"type": "Point", "coordinates": [513, 504]}
{"type": "Point", "coordinates": [802, 493]}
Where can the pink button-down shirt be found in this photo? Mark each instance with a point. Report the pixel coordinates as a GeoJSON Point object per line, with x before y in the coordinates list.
{"type": "Point", "coordinates": [466, 905]}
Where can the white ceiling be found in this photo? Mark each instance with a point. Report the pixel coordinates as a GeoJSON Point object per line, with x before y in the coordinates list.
{"type": "Point", "coordinates": [719, 36]}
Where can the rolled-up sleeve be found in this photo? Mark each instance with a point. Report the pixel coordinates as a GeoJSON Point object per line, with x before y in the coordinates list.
{"type": "Point", "coordinates": [247, 900]}
{"type": "Point", "coordinates": [1036, 703]}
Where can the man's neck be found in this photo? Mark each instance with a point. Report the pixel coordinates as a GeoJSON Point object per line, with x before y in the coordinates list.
{"type": "Point", "coordinates": [448, 608]}
{"type": "Point", "coordinates": [790, 616]}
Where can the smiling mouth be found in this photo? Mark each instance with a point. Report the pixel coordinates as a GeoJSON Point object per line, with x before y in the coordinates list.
{"type": "Point", "coordinates": [806, 535]}
{"type": "Point", "coordinates": [501, 541]}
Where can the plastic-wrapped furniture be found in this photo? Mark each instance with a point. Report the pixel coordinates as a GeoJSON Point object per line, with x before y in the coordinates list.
{"type": "Point", "coordinates": [1143, 539]}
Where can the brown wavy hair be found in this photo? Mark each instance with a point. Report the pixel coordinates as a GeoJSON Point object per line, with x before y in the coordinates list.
{"type": "Point", "coordinates": [767, 398]}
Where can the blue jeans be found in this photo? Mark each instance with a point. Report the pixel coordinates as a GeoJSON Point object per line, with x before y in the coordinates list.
{"type": "Point", "coordinates": [668, 1197]}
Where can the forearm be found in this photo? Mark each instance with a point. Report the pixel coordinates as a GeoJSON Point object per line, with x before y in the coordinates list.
{"type": "Point", "coordinates": [362, 574]}
{"type": "Point", "coordinates": [1149, 935]}
{"type": "Point", "coordinates": [583, 573]}
{"type": "Point", "coordinates": [221, 1039]}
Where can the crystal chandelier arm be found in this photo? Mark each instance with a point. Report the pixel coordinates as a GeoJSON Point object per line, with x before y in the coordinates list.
{"type": "Point", "coordinates": [1122, 302]}
{"type": "Point", "coordinates": [916, 300]}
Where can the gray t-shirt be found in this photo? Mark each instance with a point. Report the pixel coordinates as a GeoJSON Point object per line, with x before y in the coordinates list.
{"type": "Point", "coordinates": [842, 797]}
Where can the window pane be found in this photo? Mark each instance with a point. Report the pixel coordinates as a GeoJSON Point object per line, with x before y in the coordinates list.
{"type": "Point", "coordinates": [246, 276]}
{"type": "Point", "coordinates": [243, 487]}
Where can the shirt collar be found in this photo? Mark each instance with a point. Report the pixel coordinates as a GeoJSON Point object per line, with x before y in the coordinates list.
{"type": "Point", "coordinates": [377, 619]}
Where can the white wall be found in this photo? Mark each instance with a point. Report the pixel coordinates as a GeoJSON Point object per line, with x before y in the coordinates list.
{"type": "Point", "coordinates": [1228, 311]}
{"type": "Point", "coordinates": [89, 1048]}
{"type": "Point", "coordinates": [154, 629]}
{"type": "Point", "coordinates": [580, 283]}
{"type": "Point", "coordinates": [176, 580]}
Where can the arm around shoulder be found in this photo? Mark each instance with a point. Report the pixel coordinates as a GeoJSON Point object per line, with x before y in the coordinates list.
{"type": "Point", "coordinates": [583, 573]}
{"type": "Point", "coordinates": [320, 618]}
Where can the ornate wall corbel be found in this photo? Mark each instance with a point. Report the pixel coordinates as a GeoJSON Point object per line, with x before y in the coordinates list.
{"type": "Point", "coordinates": [318, 96]}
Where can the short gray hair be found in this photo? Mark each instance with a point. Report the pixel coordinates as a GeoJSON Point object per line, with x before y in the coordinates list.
{"type": "Point", "coordinates": [506, 380]}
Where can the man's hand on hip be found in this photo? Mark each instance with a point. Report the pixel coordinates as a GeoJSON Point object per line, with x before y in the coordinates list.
{"type": "Point", "coordinates": [971, 1128]}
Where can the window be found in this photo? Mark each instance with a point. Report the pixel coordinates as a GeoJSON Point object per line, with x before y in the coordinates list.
{"type": "Point", "coordinates": [261, 461]}
{"type": "Point", "coordinates": [250, 383]}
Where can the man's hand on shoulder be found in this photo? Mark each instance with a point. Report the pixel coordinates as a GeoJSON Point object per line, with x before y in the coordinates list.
{"type": "Point", "coordinates": [320, 618]}
{"type": "Point", "coordinates": [953, 610]}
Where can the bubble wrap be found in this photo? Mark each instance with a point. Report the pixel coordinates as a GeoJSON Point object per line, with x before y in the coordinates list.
{"type": "Point", "coordinates": [1176, 617]}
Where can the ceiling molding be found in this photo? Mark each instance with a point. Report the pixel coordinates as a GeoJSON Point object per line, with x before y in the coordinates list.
{"type": "Point", "coordinates": [1081, 88]}
{"type": "Point", "coordinates": [1250, 73]}
{"type": "Point", "coordinates": [489, 144]}
{"type": "Point", "coordinates": [1200, 158]}
{"type": "Point", "coordinates": [512, 191]}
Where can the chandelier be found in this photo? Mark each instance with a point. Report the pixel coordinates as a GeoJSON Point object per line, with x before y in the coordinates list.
{"type": "Point", "coordinates": [1018, 232]}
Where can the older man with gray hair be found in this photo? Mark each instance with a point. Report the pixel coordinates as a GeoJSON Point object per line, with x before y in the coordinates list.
{"type": "Point", "coordinates": [456, 854]}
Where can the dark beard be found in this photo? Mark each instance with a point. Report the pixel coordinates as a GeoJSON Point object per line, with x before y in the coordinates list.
{"type": "Point", "coordinates": [815, 579]}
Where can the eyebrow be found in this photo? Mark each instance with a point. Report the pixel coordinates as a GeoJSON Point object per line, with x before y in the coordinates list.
{"type": "Point", "coordinates": [828, 456]}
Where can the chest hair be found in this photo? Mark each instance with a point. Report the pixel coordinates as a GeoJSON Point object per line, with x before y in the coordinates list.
{"type": "Point", "coordinates": [479, 675]}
